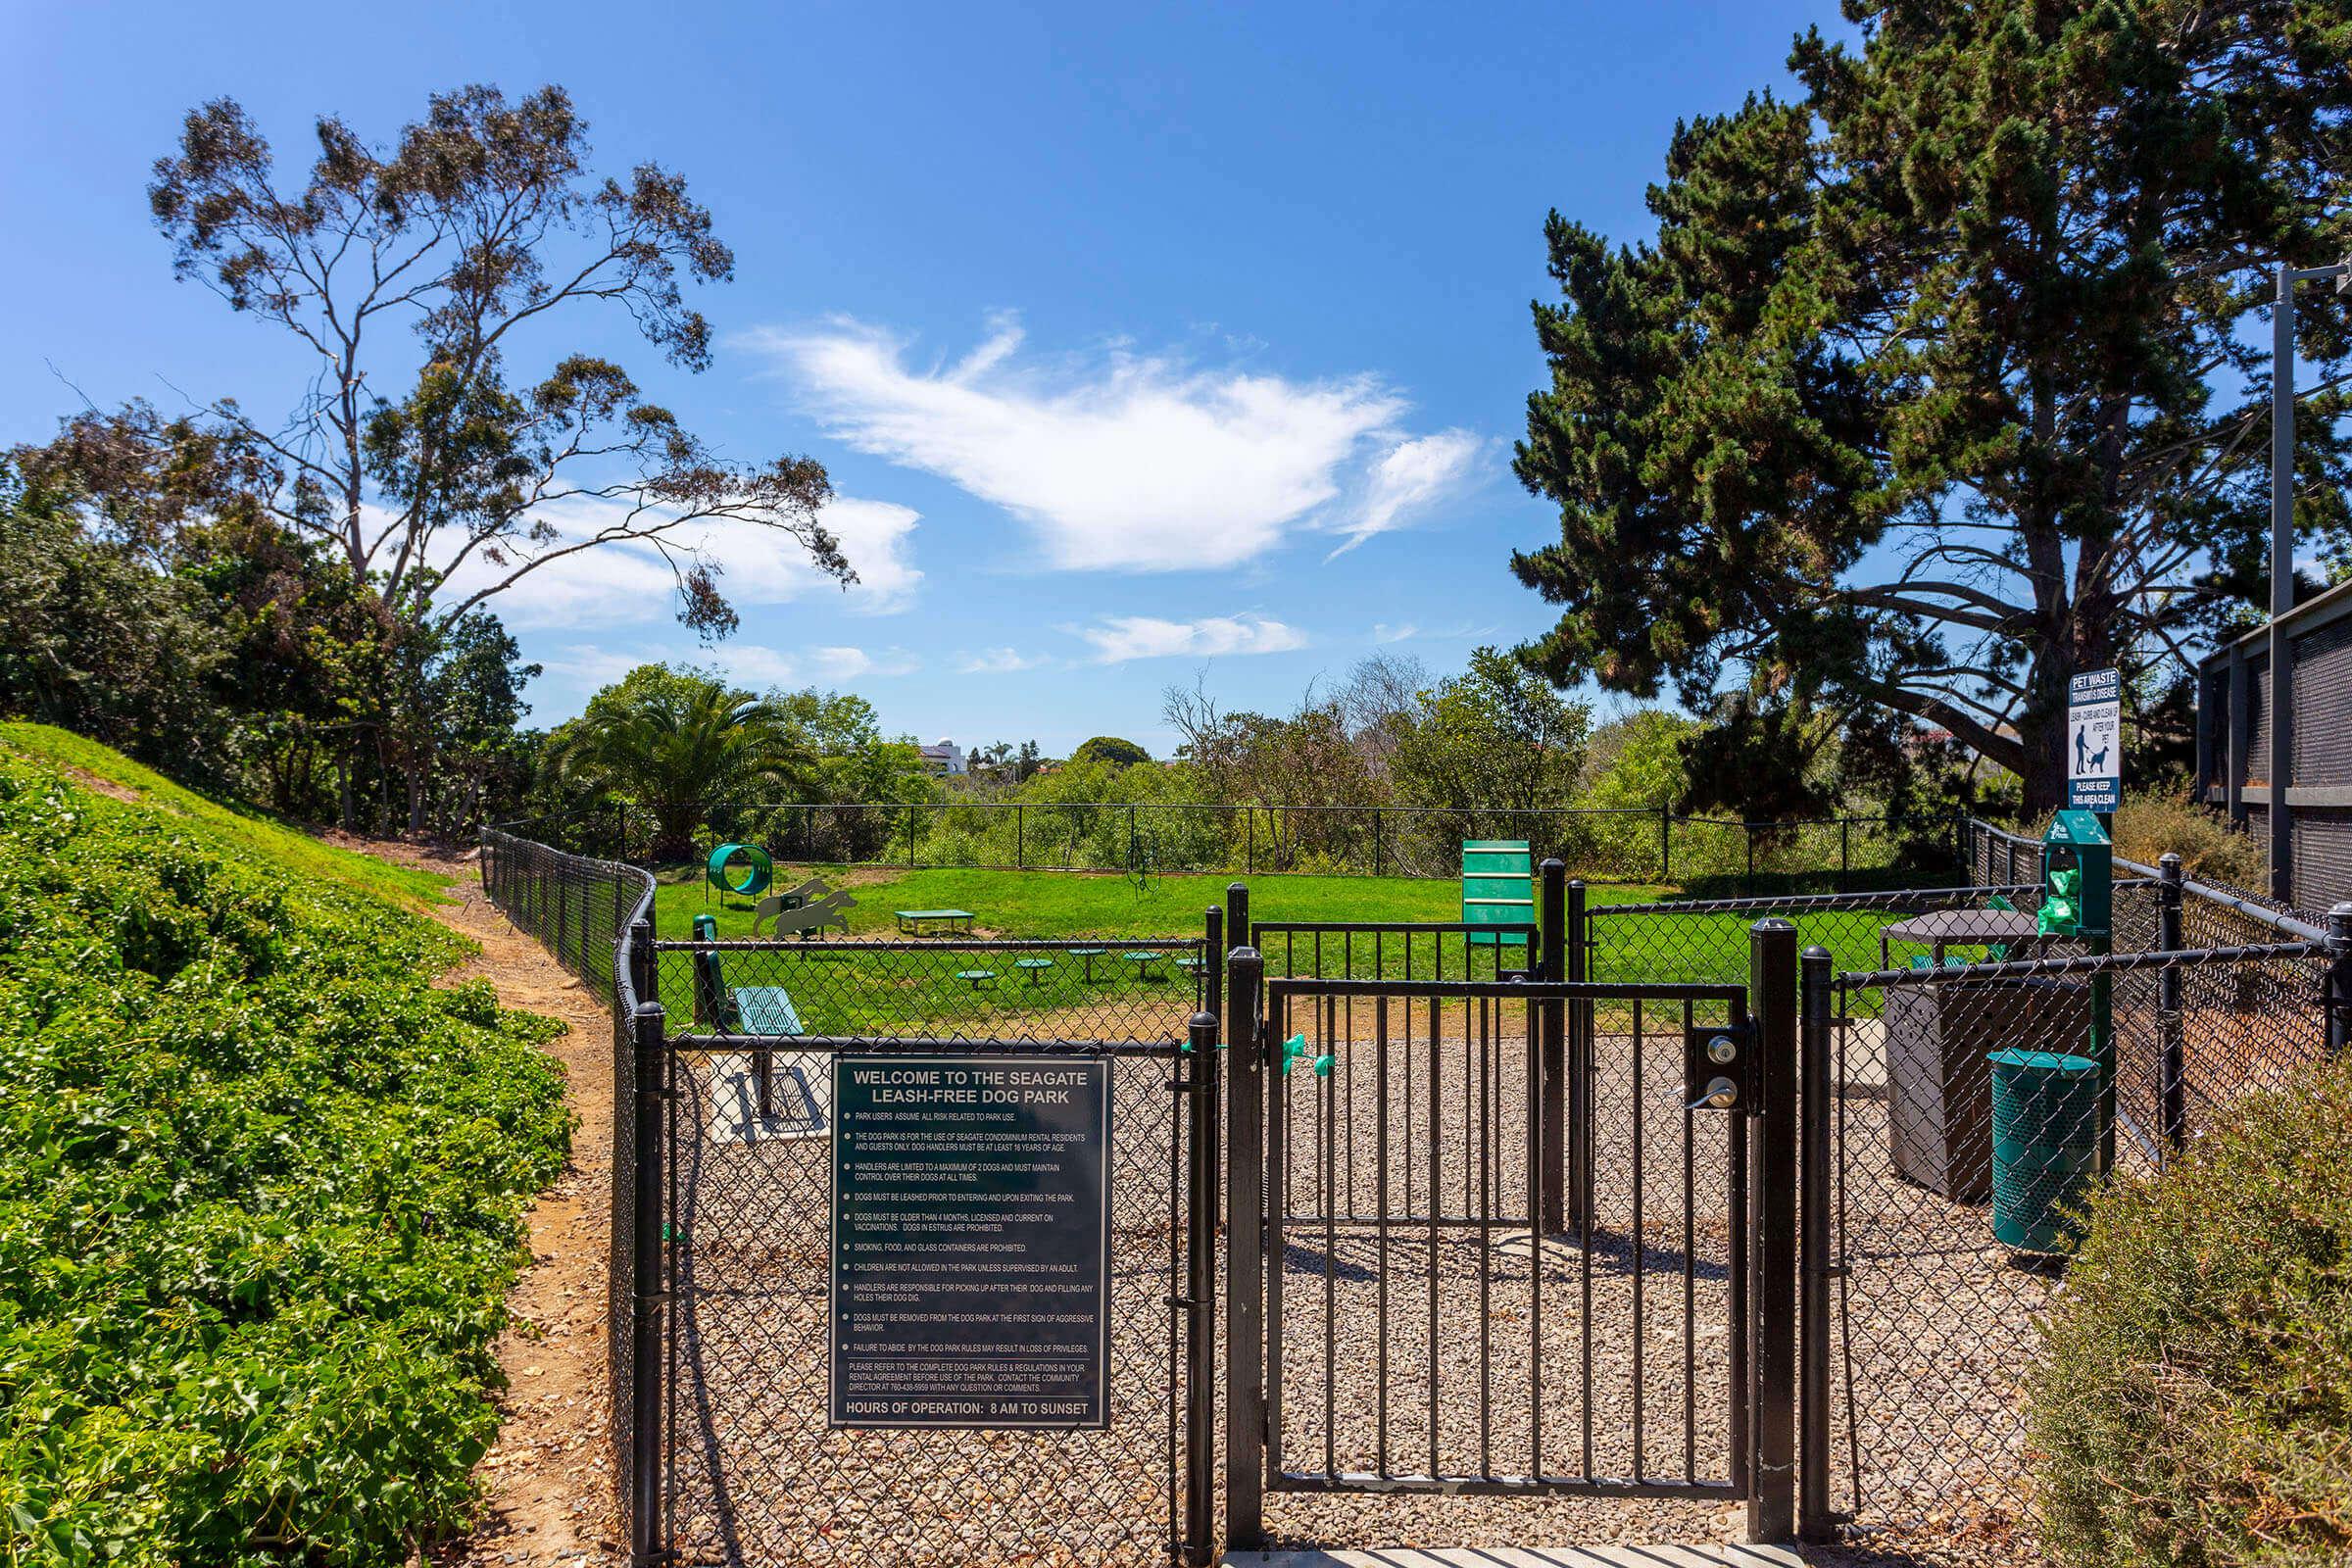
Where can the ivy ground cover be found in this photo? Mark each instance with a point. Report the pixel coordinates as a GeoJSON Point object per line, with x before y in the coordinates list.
{"type": "Point", "coordinates": [261, 1188]}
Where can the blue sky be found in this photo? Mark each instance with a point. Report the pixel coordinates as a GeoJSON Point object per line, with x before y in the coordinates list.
{"type": "Point", "coordinates": [1136, 339]}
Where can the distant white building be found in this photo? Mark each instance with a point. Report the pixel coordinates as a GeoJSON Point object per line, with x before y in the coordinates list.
{"type": "Point", "coordinates": [943, 755]}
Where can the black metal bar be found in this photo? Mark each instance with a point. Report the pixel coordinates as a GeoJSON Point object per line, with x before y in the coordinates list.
{"type": "Point", "coordinates": [945, 944]}
{"type": "Point", "coordinates": [2087, 963]}
{"type": "Point", "coordinates": [2278, 919]}
{"type": "Point", "coordinates": [1245, 1256]}
{"type": "Point", "coordinates": [2173, 1067]}
{"type": "Point", "coordinates": [1503, 1486]}
{"type": "Point", "coordinates": [1552, 1145]}
{"type": "Point", "coordinates": [1212, 1002]}
{"type": "Point", "coordinates": [1518, 990]}
{"type": "Point", "coordinates": [2339, 979]}
{"type": "Point", "coordinates": [1813, 1519]}
{"type": "Point", "coordinates": [644, 972]}
{"type": "Point", "coordinates": [1773, 1138]}
{"type": "Point", "coordinates": [1201, 1295]}
{"type": "Point", "coordinates": [2278, 817]}
{"type": "Point", "coordinates": [1903, 899]}
{"type": "Point", "coordinates": [1574, 965]}
{"type": "Point", "coordinates": [646, 1535]}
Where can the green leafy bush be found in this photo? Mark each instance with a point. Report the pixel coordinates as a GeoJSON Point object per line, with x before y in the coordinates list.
{"type": "Point", "coordinates": [261, 1187]}
{"type": "Point", "coordinates": [2192, 1403]}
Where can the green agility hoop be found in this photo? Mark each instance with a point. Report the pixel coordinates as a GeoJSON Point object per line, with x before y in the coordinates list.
{"type": "Point", "coordinates": [749, 877]}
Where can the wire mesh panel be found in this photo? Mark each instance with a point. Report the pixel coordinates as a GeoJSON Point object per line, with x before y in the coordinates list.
{"type": "Point", "coordinates": [1978, 1108]}
{"type": "Point", "coordinates": [755, 1475]}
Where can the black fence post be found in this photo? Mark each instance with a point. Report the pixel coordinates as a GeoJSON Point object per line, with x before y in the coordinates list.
{"type": "Point", "coordinates": [1814, 1197]}
{"type": "Point", "coordinates": [2172, 1068]}
{"type": "Point", "coordinates": [1551, 1142]}
{"type": "Point", "coordinates": [1245, 1258]}
{"type": "Point", "coordinates": [647, 1296]}
{"type": "Point", "coordinates": [643, 969]}
{"type": "Point", "coordinates": [1771, 1135]}
{"type": "Point", "coordinates": [1200, 1291]}
{"type": "Point", "coordinates": [1665, 841]}
{"type": "Point", "coordinates": [1748, 830]}
{"type": "Point", "coordinates": [1021, 841]}
{"type": "Point", "coordinates": [2339, 979]}
{"type": "Point", "coordinates": [1576, 965]}
{"type": "Point", "coordinates": [1212, 1002]}
{"type": "Point", "coordinates": [1376, 814]}
{"type": "Point", "coordinates": [1846, 857]}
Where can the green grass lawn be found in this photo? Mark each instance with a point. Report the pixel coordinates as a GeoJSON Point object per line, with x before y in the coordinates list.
{"type": "Point", "coordinates": [1056, 904]}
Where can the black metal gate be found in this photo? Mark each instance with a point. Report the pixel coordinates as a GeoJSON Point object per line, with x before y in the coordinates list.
{"type": "Point", "coordinates": [1483, 1243]}
{"type": "Point", "coordinates": [736, 1174]}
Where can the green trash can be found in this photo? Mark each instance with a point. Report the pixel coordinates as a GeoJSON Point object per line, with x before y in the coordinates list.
{"type": "Point", "coordinates": [2046, 1145]}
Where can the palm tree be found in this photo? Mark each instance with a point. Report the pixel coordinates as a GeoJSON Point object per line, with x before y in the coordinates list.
{"type": "Point", "coordinates": [673, 743]}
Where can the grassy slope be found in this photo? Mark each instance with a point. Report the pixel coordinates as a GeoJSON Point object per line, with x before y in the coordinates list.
{"type": "Point", "coordinates": [253, 831]}
{"type": "Point", "coordinates": [261, 1183]}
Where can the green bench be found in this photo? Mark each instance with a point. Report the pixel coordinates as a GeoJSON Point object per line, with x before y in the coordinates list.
{"type": "Point", "coordinates": [761, 1010]}
{"type": "Point", "coordinates": [933, 922]}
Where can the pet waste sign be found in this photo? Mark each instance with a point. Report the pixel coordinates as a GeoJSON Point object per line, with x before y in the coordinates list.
{"type": "Point", "coordinates": [2094, 741]}
{"type": "Point", "coordinates": [971, 1241]}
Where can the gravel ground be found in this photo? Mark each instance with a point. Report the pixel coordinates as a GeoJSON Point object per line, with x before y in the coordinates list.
{"type": "Point", "coordinates": [1935, 1312]}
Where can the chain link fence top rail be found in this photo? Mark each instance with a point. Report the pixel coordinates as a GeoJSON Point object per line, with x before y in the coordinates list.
{"type": "Point", "coordinates": [584, 912]}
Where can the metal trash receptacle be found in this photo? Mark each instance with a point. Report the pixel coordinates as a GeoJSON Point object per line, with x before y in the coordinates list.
{"type": "Point", "coordinates": [2046, 1145]}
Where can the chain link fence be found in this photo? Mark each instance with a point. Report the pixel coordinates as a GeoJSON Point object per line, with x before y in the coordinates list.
{"type": "Point", "coordinates": [585, 912]}
{"type": "Point", "coordinates": [1977, 1079]}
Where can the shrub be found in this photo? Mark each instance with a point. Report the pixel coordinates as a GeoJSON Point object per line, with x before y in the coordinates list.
{"type": "Point", "coordinates": [261, 1187]}
{"type": "Point", "coordinates": [2210, 850]}
{"type": "Point", "coordinates": [2192, 1402]}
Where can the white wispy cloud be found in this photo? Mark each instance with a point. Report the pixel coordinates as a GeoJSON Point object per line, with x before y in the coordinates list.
{"type": "Point", "coordinates": [1123, 461]}
{"type": "Point", "coordinates": [752, 665]}
{"type": "Point", "coordinates": [629, 582]}
{"type": "Point", "coordinates": [1410, 477]}
{"type": "Point", "coordinates": [1118, 638]}
{"type": "Point", "coordinates": [997, 661]}
{"type": "Point", "coordinates": [1413, 630]}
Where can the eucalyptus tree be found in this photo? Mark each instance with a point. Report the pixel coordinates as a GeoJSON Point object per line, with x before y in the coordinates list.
{"type": "Point", "coordinates": [1940, 385]}
{"type": "Point", "coordinates": [412, 280]}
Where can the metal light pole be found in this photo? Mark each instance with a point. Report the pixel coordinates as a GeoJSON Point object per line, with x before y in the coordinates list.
{"type": "Point", "coordinates": [2282, 558]}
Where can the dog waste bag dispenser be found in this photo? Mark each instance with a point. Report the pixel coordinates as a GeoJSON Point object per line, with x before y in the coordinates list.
{"type": "Point", "coordinates": [2078, 878]}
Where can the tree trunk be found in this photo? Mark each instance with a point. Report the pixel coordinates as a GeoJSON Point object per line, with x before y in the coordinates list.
{"type": "Point", "coordinates": [2044, 776]}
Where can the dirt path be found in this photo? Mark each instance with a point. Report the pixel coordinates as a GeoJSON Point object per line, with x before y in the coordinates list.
{"type": "Point", "coordinates": [546, 1481]}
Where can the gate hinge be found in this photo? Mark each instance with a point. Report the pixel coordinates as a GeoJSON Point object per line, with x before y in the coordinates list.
{"type": "Point", "coordinates": [1260, 1041]}
{"type": "Point", "coordinates": [1178, 1304]}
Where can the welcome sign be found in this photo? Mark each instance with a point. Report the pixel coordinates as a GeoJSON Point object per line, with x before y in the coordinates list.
{"type": "Point", "coordinates": [971, 1241]}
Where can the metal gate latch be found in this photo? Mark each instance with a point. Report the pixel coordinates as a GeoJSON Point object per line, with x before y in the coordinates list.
{"type": "Point", "coordinates": [1718, 1066]}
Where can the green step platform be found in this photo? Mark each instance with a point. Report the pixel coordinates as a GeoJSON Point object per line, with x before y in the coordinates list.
{"type": "Point", "coordinates": [1499, 888]}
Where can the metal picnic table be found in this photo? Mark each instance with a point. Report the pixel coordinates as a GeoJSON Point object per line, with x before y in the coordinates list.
{"type": "Point", "coordinates": [931, 922]}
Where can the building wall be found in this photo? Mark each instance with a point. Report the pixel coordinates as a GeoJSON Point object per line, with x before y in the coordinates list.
{"type": "Point", "coordinates": [2317, 789]}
